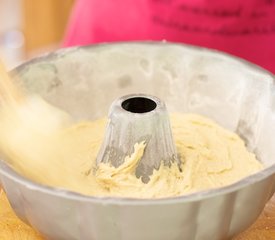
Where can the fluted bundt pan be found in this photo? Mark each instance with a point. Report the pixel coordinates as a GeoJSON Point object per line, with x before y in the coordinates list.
{"type": "Point", "coordinates": [85, 81]}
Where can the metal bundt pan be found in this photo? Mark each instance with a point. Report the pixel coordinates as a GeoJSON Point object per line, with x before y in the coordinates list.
{"type": "Point", "coordinates": [84, 81]}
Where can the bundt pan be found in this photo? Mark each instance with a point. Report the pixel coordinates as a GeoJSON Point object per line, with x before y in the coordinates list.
{"type": "Point", "coordinates": [85, 80]}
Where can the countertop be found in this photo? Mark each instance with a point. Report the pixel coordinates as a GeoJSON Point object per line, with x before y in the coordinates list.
{"type": "Point", "coordinates": [12, 228]}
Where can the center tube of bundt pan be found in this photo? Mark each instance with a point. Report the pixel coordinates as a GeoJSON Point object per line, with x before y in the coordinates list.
{"type": "Point", "coordinates": [134, 119]}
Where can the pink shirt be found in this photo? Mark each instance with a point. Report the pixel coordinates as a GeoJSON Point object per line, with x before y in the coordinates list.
{"type": "Point", "coordinates": [242, 28]}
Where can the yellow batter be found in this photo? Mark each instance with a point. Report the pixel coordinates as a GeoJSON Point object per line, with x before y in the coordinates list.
{"type": "Point", "coordinates": [42, 144]}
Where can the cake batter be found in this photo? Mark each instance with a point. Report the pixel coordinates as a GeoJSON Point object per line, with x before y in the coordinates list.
{"type": "Point", "coordinates": [43, 144]}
